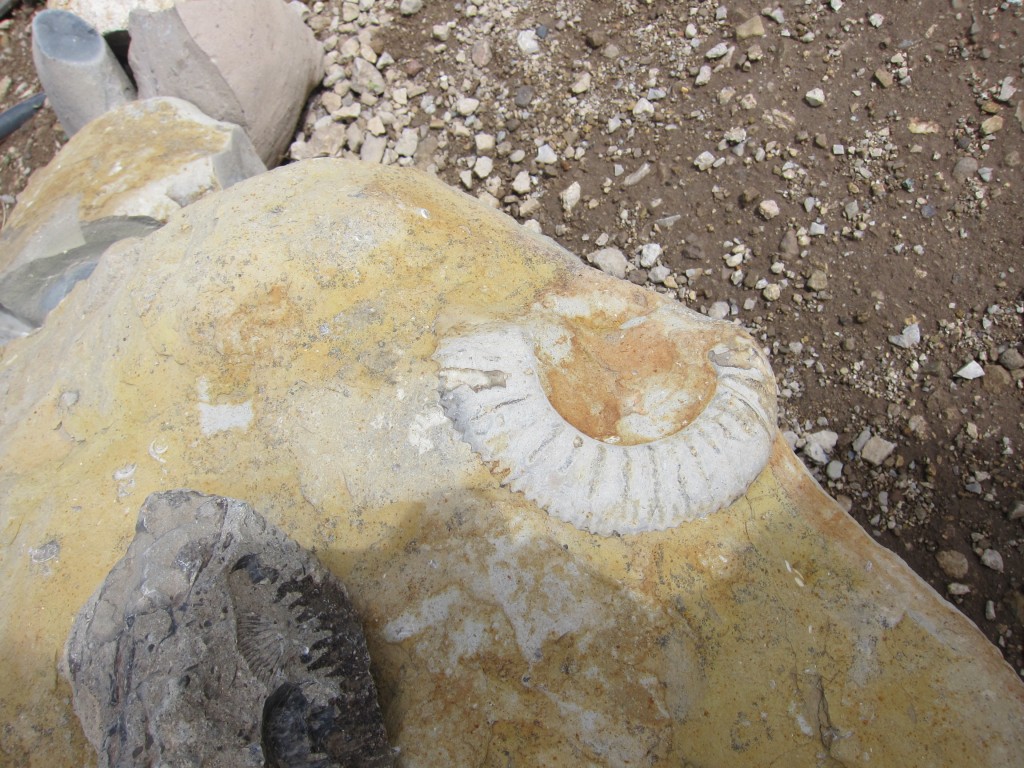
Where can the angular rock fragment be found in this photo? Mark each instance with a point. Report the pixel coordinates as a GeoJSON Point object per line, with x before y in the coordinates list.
{"type": "Point", "coordinates": [202, 51]}
{"type": "Point", "coordinates": [876, 450]}
{"type": "Point", "coordinates": [36, 287]}
{"type": "Point", "coordinates": [12, 327]}
{"type": "Point", "coordinates": [218, 640]}
{"type": "Point", "coordinates": [121, 176]}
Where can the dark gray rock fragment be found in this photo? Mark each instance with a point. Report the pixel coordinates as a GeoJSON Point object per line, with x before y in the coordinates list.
{"type": "Point", "coordinates": [218, 641]}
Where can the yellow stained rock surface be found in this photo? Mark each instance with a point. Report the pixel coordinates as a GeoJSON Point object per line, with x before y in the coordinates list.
{"type": "Point", "coordinates": [274, 343]}
{"type": "Point", "coordinates": [145, 158]}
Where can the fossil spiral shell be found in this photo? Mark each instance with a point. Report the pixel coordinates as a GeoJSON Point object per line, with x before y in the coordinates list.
{"type": "Point", "coordinates": [492, 390]}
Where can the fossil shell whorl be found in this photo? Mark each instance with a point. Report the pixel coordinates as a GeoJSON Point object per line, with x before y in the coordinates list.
{"type": "Point", "coordinates": [492, 388]}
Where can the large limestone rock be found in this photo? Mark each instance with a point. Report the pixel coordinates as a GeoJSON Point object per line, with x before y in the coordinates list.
{"type": "Point", "coordinates": [125, 172]}
{"type": "Point", "coordinates": [259, 659]}
{"type": "Point", "coordinates": [466, 425]}
{"type": "Point", "coordinates": [250, 62]}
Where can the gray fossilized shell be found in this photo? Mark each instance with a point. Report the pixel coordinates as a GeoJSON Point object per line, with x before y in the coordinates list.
{"type": "Point", "coordinates": [217, 641]}
{"type": "Point", "coordinates": [492, 388]}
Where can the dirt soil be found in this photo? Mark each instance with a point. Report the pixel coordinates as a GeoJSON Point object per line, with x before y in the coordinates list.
{"type": "Point", "coordinates": [829, 223]}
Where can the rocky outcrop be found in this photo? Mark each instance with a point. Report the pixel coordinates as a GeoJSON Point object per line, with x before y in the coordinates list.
{"type": "Point", "coordinates": [120, 176]}
{"type": "Point", "coordinates": [218, 640]}
{"type": "Point", "coordinates": [319, 341]}
{"type": "Point", "coordinates": [249, 62]}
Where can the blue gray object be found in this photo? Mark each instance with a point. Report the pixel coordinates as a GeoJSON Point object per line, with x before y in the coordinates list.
{"type": "Point", "coordinates": [12, 119]}
{"type": "Point", "coordinates": [12, 327]}
{"type": "Point", "coordinates": [30, 291]}
{"type": "Point", "coordinates": [80, 74]}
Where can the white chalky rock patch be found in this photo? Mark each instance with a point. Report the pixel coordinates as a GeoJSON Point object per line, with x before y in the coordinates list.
{"type": "Point", "coordinates": [221, 418]}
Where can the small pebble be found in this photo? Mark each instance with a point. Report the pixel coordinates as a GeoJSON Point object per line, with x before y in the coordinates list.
{"type": "Point", "coordinates": [972, 370]}
{"type": "Point", "coordinates": [704, 160]}
{"type": "Point", "coordinates": [659, 274]}
{"type": "Point", "coordinates": [466, 106]}
{"type": "Point", "coordinates": [609, 260]}
{"type": "Point", "coordinates": [992, 125]}
{"type": "Point", "coordinates": [643, 108]}
{"type": "Point", "coordinates": [570, 196]}
{"type": "Point", "coordinates": [954, 564]}
{"type": "Point", "coordinates": [876, 450]}
{"type": "Point", "coordinates": [1011, 359]}
{"type": "Point", "coordinates": [815, 97]}
{"type": "Point", "coordinates": [524, 96]}
{"type": "Point", "coordinates": [483, 167]}
{"type": "Point", "coordinates": [992, 559]}
{"type": "Point", "coordinates": [649, 255]}
{"type": "Point", "coordinates": [818, 281]}
{"type": "Point", "coordinates": [527, 42]}
{"type": "Point", "coordinates": [582, 84]}
{"type": "Point", "coordinates": [546, 155]}
{"type": "Point", "coordinates": [719, 310]}
{"type": "Point", "coordinates": [637, 176]}
{"type": "Point", "coordinates": [717, 51]}
{"type": "Point", "coordinates": [768, 209]}
{"type": "Point", "coordinates": [521, 183]}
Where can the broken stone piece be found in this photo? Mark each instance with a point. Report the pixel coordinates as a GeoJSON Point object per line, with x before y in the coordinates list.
{"type": "Point", "coordinates": [216, 637]}
{"type": "Point", "coordinates": [144, 160]}
{"type": "Point", "coordinates": [972, 370]}
{"type": "Point", "coordinates": [108, 16]}
{"type": "Point", "coordinates": [202, 51]}
{"type": "Point", "coordinates": [752, 27]}
{"type": "Point", "coordinates": [876, 450]}
{"type": "Point", "coordinates": [36, 287]}
{"type": "Point", "coordinates": [907, 339]}
{"type": "Point", "coordinates": [954, 564]}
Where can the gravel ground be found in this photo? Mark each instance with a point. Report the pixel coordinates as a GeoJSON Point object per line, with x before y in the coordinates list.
{"type": "Point", "coordinates": [840, 177]}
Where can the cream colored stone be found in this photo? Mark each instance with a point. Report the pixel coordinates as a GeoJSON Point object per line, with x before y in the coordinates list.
{"type": "Point", "coordinates": [108, 15]}
{"type": "Point", "coordinates": [774, 630]}
{"type": "Point", "coordinates": [250, 62]}
{"type": "Point", "coordinates": [147, 158]}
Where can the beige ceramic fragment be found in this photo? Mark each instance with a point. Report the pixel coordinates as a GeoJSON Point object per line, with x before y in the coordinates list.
{"type": "Point", "coordinates": [295, 349]}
